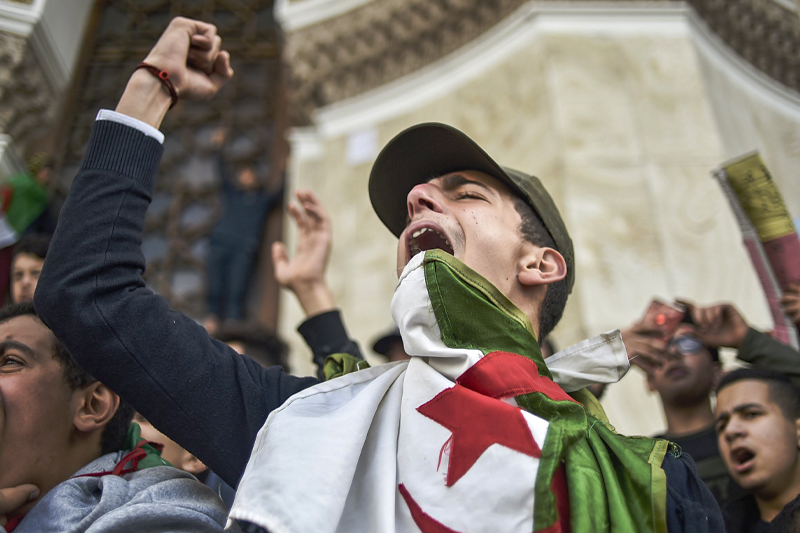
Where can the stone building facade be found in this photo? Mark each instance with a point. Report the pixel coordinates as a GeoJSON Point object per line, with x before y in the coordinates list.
{"type": "Point", "coordinates": [104, 40]}
{"type": "Point", "coordinates": [39, 48]}
{"type": "Point", "coordinates": [621, 108]}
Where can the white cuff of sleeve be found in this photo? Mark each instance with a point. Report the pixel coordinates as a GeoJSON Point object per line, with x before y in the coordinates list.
{"type": "Point", "coordinates": [147, 129]}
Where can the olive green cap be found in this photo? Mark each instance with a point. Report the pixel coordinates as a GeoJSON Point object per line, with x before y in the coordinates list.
{"type": "Point", "coordinates": [429, 150]}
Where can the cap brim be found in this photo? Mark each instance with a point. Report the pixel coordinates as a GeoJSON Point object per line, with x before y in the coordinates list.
{"type": "Point", "coordinates": [384, 344]}
{"type": "Point", "coordinates": [417, 155]}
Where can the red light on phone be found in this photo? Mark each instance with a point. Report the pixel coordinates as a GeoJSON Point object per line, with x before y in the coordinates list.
{"type": "Point", "coordinates": [661, 319]}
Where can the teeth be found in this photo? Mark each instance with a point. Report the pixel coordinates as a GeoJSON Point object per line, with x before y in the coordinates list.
{"type": "Point", "coordinates": [420, 231]}
{"type": "Point", "coordinates": [413, 240]}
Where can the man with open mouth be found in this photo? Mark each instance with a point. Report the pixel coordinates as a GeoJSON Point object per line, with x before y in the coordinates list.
{"type": "Point", "coordinates": [690, 371]}
{"type": "Point", "coordinates": [474, 433]}
{"type": "Point", "coordinates": [758, 427]}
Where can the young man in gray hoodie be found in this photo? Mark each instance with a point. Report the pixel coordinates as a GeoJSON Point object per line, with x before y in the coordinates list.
{"type": "Point", "coordinates": [70, 460]}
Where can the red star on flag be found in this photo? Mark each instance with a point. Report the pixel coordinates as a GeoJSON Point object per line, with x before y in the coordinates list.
{"type": "Point", "coordinates": [473, 411]}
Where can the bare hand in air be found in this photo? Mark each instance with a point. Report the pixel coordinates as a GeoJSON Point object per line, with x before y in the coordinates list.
{"type": "Point", "coordinates": [190, 51]}
{"type": "Point", "coordinates": [718, 325]}
{"type": "Point", "coordinates": [645, 347]}
{"type": "Point", "coordinates": [791, 302]}
{"type": "Point", "coordinates": [304, 274]}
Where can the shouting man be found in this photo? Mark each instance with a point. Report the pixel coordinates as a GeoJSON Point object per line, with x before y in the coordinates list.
{"type": "Point", "coordinates": [69, 459]}
{"type": "Point", "coordinates": [758, 425]}
{"type": "Point", "coordinates": [471, 434]}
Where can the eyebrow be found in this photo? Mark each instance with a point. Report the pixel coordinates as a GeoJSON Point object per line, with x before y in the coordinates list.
{"type": "Point", "coordinates": [746, 406]}
{"type": "Point", "coordinates": [738, 409]}
{"type": "Point", "coordinates": [24, 348]}
{"type": "Point", "coordinates": [454, 181]}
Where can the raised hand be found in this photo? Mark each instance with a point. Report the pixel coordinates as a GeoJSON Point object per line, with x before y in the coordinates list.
{"type": "Point", "coordinates": [718, 325]}
{"type": "Point", "coordinates": [304, 274]}
{"type": "Point", "coordinates": [190, 51]}
{"type": "Point", "coordinates": [791, 302]}
{"type": "Point", "coordinates": [645, 347]}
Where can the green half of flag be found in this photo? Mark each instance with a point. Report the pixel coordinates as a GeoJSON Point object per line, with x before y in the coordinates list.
{"type": "Point", "coordinates": [614, 482]}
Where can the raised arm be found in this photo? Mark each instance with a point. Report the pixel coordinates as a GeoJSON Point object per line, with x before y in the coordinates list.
{"type": "Point", "coordinates": [791, 302]}
{"type": "Point", "coordinates": [304, 275]}
{"type": "Point", "coordinates": [723, 325]}
{"type": "Point", "coordinates": [91, 293]}
{"type": "Point", "coordinates": [217, 145]}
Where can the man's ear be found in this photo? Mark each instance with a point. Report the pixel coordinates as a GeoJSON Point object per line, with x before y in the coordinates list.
{"type": "Point", "coordinates": [96, 406]}
{"type": "Point", "coordinates": [797, 424]}
{"type": "Point", "coordinates": [541, 266]}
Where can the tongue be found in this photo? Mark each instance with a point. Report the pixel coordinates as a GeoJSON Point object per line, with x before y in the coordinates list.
{"type": "Point", "coordinates": [742, 456]}
{"type": "Point", "coordinates": [430, 240]}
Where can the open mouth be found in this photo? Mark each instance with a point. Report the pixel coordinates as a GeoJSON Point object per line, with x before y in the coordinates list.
{"type": "Point", "coordinates": [427, 238]}
{"type": "Point", "coordinates": [677, 372]}
{"type": "Point", "coordinates": [741, 459]}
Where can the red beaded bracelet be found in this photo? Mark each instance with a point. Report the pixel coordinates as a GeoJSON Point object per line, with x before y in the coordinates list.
{"type": "Point", "coordinates": [162, 75]}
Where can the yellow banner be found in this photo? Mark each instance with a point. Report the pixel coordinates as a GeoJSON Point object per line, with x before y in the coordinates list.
{"type": "Point", "coordinates": [760, 197]}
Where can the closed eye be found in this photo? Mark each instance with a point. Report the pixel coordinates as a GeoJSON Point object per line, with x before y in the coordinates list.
{"type": "Point", "coordinates": [469, 195]}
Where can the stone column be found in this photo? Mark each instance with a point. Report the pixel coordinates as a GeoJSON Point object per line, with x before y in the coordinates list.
{"type": "Point", "coordinates": [27, 98]}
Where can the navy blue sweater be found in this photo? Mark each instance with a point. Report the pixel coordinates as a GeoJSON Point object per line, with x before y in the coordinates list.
{"type": "Point", "coordinates": [197, 390]}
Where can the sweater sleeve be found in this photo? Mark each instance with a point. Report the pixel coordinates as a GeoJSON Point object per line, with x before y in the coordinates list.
{"type": "Point", "coordinates": [325, 334]}
{"type": "Point", "coordinates": [761, 350]}
{"type": "Point", "coordinates": [91, 293]}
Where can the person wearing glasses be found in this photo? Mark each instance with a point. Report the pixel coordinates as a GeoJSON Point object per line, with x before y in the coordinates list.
{"type": "Point", "coordinates": [684, 369]}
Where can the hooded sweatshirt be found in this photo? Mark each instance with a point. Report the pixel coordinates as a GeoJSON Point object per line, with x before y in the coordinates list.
{"type": "Point", "coordinates": [156, 499]}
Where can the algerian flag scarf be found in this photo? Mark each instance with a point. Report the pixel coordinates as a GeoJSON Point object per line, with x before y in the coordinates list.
{"type": "Point", "coordinates": [440, 444]}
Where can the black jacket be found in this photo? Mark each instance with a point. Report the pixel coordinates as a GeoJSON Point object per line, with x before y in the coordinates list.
{"type": "Point", "coordinates": [195, 389]}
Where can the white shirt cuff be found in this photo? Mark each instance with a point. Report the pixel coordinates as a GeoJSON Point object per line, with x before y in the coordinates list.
{"type": "Point", "coordinates": [147, 129]}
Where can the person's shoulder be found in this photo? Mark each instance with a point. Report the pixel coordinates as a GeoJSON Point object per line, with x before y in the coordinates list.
{"type": "Point", "coordinates": [700, 445]}
{"type": "Point", "coordinates": [789, 517]}
{"type": "Point", "coordinates": [741, 514]}
{"type": "Point", "coordinates": [165, 494]}
{"type": "Point", "coordinates": [165, 482]}
{"type": "Point", "coordinates": [160, 498]}
{"type": "Point", "coordinates": [690, 505]}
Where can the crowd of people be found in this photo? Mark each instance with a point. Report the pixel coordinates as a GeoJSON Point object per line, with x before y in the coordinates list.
{"type": "Point", "coordinates": [120, 414]}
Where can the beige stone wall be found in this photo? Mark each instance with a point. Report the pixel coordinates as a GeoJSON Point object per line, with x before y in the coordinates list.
{"type": "Point", "coordinates": [620, 128]}
{"type": "Point", "coordinates": [27, 101]}
{"type": "Point", "coordinates": [753, 118]}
